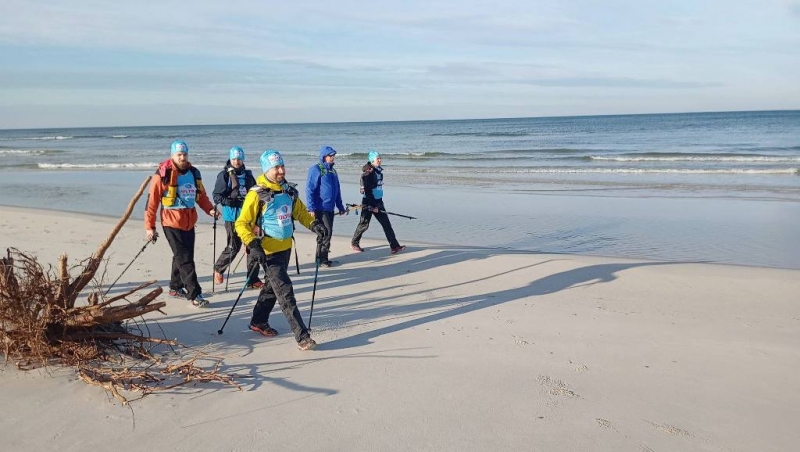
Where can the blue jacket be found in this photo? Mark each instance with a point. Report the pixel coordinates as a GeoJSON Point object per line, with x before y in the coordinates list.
{"type": "Point", "coordinates": [322, 187]}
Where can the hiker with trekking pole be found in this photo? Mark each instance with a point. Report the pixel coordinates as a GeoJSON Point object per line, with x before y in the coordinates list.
{"type": "Point", "coordinates": [177, 188]}
{"type": "Point", "coordinates": [272, 205]}
{"type": "Point", "coordinates": [323, 195]}
{"type": "Point", "coordinates": [232, 184]}
{"type": "Point", "coordinates": [372, 205]}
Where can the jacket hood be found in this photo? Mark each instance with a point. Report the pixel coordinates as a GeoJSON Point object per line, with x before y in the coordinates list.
{"type": "Point", "coordinates": [325, 151]}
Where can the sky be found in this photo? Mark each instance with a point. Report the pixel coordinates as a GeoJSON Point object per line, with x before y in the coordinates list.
{"type": "Point", "coordinates": [86, 63]}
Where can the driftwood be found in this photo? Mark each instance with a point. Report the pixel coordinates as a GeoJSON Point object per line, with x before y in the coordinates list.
{"type": "Point", "coordinates": [40, 324]}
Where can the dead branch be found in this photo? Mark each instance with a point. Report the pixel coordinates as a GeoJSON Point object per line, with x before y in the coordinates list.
{"type": "Point", "coordinates": [40, 325]}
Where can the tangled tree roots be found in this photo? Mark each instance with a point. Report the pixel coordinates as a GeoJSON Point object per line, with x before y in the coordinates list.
{"type": "Point", "coordinates": [41, 325]}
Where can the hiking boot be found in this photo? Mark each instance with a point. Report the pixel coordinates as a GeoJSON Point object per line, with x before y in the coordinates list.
{"type": "Point", "coordinates": [356, 248]}
{"type": "Point", "coordinates": [255, 285]}
{"type": "Point", "coordinates": [218, 278]}
{"type": "Point", "coordinates": [180, 293]}
{"type": "Point", "coordinates": [307, 344]}
{"type": "Point", "coordinates": [263, 329]}
{"type": "Point", "coordinates": [398, 249]}
{"type": "Point", "coordinates": [200, 302]}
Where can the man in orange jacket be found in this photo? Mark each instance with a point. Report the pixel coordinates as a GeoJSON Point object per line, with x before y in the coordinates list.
{"type": "Point", "coordinates": [178, 188]}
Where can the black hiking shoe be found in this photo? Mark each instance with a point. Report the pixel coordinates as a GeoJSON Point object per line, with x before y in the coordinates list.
{"type": "Point", "coordinates": [180, 293]}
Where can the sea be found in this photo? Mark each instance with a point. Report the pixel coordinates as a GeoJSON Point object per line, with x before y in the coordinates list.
{"type": "Point", "coordinates": [692, 187]}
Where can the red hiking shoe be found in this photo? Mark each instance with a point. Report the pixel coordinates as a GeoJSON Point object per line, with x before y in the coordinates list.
{"type": "Point", "coordinates": [398, 249]}
{"type": "Point", "coordinates": [264, 329]}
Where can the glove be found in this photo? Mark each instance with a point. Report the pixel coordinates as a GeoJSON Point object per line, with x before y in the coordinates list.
{"type": "Point", "coordinates": [318, 228]}
{"type": "Point", "coordinates": [257, 251]}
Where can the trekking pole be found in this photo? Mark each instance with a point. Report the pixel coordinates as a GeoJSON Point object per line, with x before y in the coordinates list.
{"type": "Point", "coordinates": [219, 331]}
{"type": "Point", "coordinates": [214, 257]}
{"type": "Point", "coordinates": [227, 278]}
{"type": "Point", "coordinates": [359, 206]}
{"type": "Point", "coordinates": [398, 215]}
{"type": "Point", "coordinates": [239, 261]}
{"type": "Point", "coordinates": [155, 236]}
{"type": "Point", "coordinates": [314, 291]}
{"type": "Point", "coordinates": [296, 260]}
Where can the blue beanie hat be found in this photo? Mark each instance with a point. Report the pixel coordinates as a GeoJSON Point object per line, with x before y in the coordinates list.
{"type": "Point", "coordinates": [373, 155]}
{"type": "Point", "coordinates": [270, 159]}
{"type": "Point", "coordinates": [179, 146]}
{"type": "Point", "coordinates": [236, 153]}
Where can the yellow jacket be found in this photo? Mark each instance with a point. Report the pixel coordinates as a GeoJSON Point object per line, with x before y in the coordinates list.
{"type": "Point", "coordinates": [247, 221]}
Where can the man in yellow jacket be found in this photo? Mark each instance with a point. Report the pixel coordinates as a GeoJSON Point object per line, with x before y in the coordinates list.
{"type": "Point", "coordinates": [270, 208]}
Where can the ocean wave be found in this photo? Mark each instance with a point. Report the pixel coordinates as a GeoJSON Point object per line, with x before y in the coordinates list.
{"type": "Point", "coordinates": [116, 166]}
{"type": "Point", "coordinates": [480, 134]}
{"type": "Point", "coordinates": [119, 136]}
{"type": "Point", "coordinates": [695, 158]}
{"type": "Point", "coordinates": [506, 170]}
{"type": "Point", "coordinates": [145, 165]}
{"type": "Point", "coordinates": [46, 138]}
{"type": "Point", "coordinates": [30, 151]}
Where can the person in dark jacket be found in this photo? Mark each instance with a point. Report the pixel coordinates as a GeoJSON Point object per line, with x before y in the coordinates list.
{"type": "Point", "coordinates": [372, 204]}
{"type": "Point", "coordinates": [323, 195]}
{"type": "Point", "coordinates": [232, 185]}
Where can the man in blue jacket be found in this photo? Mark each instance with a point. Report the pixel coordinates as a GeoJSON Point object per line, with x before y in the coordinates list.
{"type": "Point", "coordinates": [323, 194]}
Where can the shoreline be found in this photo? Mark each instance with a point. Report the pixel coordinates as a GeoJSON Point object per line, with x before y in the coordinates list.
{"type": "Point", "coordinates": [206, 221]}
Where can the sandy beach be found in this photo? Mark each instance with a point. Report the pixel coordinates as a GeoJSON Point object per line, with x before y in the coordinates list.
{"type": "Point", "coordinates": [439, 348]}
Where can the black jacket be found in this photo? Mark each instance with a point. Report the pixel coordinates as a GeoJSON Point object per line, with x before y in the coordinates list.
{"type": "Point", "coordinates": [223, 192]}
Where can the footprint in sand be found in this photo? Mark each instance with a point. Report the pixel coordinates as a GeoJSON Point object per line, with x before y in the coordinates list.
{"type": "Point", "coordinates": [604, 423]}
{"type": "Point", "coordinates": [669, 429]}
{"type": "Point", "coordinates": [556, 387]}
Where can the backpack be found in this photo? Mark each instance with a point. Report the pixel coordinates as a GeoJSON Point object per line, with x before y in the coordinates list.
{"type": "Point", "coordinates": [265, 196]}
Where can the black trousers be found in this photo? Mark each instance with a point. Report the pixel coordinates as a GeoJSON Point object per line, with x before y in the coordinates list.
{"type": "Point", "coordinates": [183, 273]}
{"type": "Point", "coordinates": [383, 219]}
{"type": "Point", "coordinates": [231, 250]}
{"type": "Point", "coordinates": [327, 219]}
{"type": "Point", "coordinates": [278, 288]}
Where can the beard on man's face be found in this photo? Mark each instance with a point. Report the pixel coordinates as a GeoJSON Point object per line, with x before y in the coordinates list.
{"type": "Point", "coordinates": [183, 166]}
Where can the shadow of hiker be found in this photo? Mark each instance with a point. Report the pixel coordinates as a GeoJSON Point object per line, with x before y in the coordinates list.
{"type": "Point", "coordinates": [579, 277]}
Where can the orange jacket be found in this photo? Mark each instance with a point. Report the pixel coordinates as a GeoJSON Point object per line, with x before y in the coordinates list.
{"type": "Point", "coordinates": [183, 219]}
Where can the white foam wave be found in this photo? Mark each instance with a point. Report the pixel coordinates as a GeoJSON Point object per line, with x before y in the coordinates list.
{"type": "Point", "coordinates": [794, 171]}
{"type": "Point", "coordinates": [58, 137]}
{"type": "Point", "coordinates": [146, 165]}
{"type": "Point", "coordinates": [655, 171]}
{"type": "Point", "coordinates": [697, 158]}
{"type": "Point", "coordinates": [119, 136]}
{"type": "Point", "coordinates": [21, 151]}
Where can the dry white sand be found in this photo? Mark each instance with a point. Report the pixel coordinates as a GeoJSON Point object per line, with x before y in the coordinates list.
{"type": "Point", "coordinates": [441, 348]}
